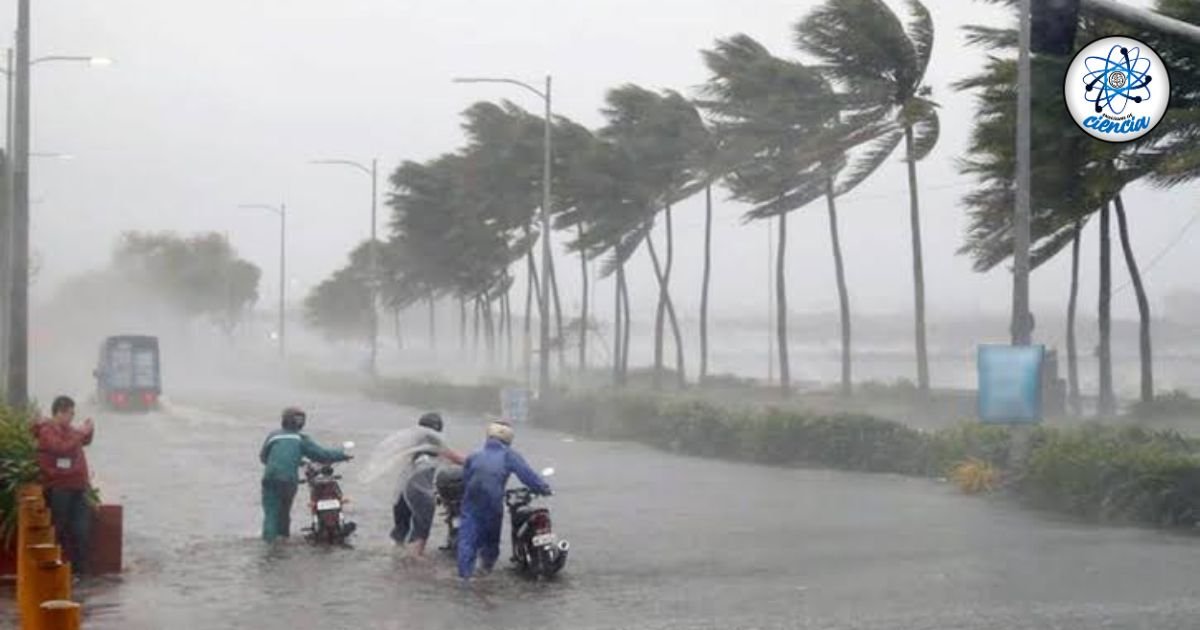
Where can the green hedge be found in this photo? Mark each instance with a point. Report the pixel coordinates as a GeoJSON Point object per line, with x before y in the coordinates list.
{"type": "Point", "coordinates": [770, 435]}
{"type": "Point", "coordinates": [1104, 473]}
{"type": "Point", "coordinates": [435, 395]}
{"type": "Point", "coordinates": [1095, 472]}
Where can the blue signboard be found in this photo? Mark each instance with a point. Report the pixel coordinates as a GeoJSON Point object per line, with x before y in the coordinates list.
{"type": "Point", "coordinates": [1010, 384]}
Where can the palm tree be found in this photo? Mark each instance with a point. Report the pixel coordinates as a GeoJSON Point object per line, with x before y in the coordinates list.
{"type": "Point", "coordinates": [604, 197]}
{"type": "Point", "coordinates": [1107, 404]}
{"type": "Point", "coordinates": [1073, 176]}
{"type": "Point", "coordinates": [765, 129]}
{"type": "Point", "coordinates": [455, 237]}
{"type": "Point", "coordinates": [1072, 351]}
{"type": "Point", "coordinates": [340, 305]}
{"type": "Point", "coordinates": [657, 136]}
{"type": "Point", "coordinates": [881, 66]}
{"type": "Point", "coordinates": [783, 127]}
{"type": "Point", "coordinates": [573, 178]}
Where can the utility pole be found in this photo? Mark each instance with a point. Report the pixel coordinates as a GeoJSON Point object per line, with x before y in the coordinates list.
{"type": "Point", "coordinates": [1022, 329]}
{"type": "Point", "coordinates": [18, 368]}
{"type": "Point", "coordinates": [6, 208]}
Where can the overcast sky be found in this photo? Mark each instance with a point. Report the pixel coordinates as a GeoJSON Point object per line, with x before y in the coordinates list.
{"type": "Point", "coordinates": [216, 103]}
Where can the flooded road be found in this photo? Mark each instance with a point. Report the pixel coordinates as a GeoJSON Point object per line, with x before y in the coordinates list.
{"type": "Point", "coordinates": [658, 541]}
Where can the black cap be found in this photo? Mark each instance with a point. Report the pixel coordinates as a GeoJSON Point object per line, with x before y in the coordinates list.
{"type": "Point", "coordinates": [432, 420]}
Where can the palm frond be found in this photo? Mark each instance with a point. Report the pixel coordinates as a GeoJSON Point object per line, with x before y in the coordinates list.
{"type": "Point", "coordinates": [920, 31]}
{"type": "Point", "coordinates": [871, 158]}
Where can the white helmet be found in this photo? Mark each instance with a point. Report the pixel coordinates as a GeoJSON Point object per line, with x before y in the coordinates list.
{"type": "Point", "coordinates": [500, 430]}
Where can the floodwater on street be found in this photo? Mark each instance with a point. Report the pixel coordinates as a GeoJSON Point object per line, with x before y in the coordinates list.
{"type": "Point", "coordinates": [658, 541]}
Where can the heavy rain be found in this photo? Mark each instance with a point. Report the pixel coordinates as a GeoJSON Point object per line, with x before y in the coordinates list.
{"type": "Point", "coordinates": [831, 314]}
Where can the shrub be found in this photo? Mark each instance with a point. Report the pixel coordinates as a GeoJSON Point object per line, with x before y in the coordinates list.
{"type": "Point", "coordinates": [18, 465]}
{"type": "Point", "coordinates": [967, 440]}
{"type": "Point", "coordinates": [437, 395]}
{"type": "Point", "coordinates": [1173, 404]}
{"type": "Point", "coordinates": [974, 475]}
{"type": "Point", "coordinates": [1128, 474]}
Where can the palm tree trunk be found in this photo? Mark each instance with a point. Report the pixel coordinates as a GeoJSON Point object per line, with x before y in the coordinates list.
{"type": "Point", "coordinates": [680, 373]}
{"type": "Point", "coordinates": [661, 309]}
{"type": "Point", "coordinates": [475, 340]}
{"type": "Point", "coordinates": [489, 323]}
{"type": "Point", "coordinates": [843, 294]}
{"type": "Point", "coordinates": [668, 306]}
{"type": "Point", "coordinates": [918, 264]}
{"type": "Point", "coordinates": [1072, 352]}
{"type": "Point", "coordinates": [704, 284]}
{"type": "Point", "coordinates": [562, 352]}
{"type": "Point", "coordinates": [628, 327]}
{"type": "Point", "coordinates": [508, 326]}
{"type": "Point", "coordinates": [396, 323]}
{"type": "Point", "coordinates": [583, 311]}
{"type": "Point", "coordinates": [432, 324]}
{"type": "Point", "coordinates": [533, 291]}
{"type": "Point", "coordinates": [785, 373]}
{"type": "Point", "coordinates": [462, 327]}
{"type": "Point", "coordinates": [1144, 347]}
{"type": "Point", "coordinates": [618, 337]}
{"type": "Point", "coordinates": [1107, 402]}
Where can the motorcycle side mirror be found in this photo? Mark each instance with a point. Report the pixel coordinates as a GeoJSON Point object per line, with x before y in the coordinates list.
{"type": "Point", "coordinates": [346, 446]}
{"type": "Point", "coordinates": [548, 472]}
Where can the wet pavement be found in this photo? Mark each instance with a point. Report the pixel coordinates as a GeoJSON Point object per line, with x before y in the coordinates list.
{"type": "Point", "coordinates": [658, 541]}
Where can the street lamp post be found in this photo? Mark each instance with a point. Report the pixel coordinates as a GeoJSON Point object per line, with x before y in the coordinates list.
{"type": "Point", "coordinates": [373, 281]}
{"type": "Point", "coordinates": [1022, 320]}
{"type": "Point", "coordinates": [281, 211]}
{"type": "Point", "coordinates": [15, 238]}
{"type": "Point", "coordinates": [543, 304]}
{"type": "Point", "coordinates": [18, 368]}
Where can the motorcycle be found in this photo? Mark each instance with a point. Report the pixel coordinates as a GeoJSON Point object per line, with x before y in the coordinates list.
{"type": "Point", "coordinates": [448, 483]}
{"type": "Point", "coordinates": [537, 550]}
{"type": "Point", "coordinates": [325, 504]}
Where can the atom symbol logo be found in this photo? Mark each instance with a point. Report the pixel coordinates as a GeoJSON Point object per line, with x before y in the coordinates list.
{"type": "Point", "coordinates": [1115, 80]}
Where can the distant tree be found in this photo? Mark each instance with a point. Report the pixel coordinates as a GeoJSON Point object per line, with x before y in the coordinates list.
{"type": "Point", "coordinates": [340, 306]}
{"type": "Point", "coordinates": [196, 276]}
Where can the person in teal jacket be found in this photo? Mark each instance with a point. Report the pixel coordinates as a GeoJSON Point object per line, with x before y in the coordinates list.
{"type": "Point", "coordinates": [282, 453]}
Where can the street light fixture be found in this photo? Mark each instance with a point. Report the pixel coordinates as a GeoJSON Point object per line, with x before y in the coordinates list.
{"type": "Point", "coordinates": [544, 303]}
{"type": "Point", "coordinates": [371, 171]}
{"type": "Point", "coordinates": [14, 234]}
{"type": "Point", "coordinates": [281, 211]}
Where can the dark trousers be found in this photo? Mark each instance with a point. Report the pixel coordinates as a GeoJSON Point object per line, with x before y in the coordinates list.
{"type": "Point", "coordinates": [277, 497]}
{"type": "Point", "coordinates": [72, 517]}
{"type": "Point", "coordinates": [412, 517]}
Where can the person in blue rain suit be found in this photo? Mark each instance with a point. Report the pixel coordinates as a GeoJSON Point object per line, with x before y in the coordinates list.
{"type": "Point", "coordinates": [484, 478]}
{"type": "Point", "coordinates": [281, 454]}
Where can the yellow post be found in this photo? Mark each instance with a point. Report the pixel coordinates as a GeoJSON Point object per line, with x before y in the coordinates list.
{"type": "Point", "coordinates": [48, 578]}
{"type": "Point", "coordinates": [33, 528]}
{"type": "Point", "coordinates": [59, 614]}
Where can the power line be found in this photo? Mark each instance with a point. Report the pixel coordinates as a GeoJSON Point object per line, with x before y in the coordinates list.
{"type": "Point", "coordinates": [1161, 254]}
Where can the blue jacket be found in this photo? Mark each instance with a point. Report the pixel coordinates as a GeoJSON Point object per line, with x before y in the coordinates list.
{"type": "Point", "coordinates": [486, 474]}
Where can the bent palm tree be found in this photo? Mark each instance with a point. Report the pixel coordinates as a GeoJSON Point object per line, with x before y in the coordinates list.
{"type": "Point", "coordinates": [881, 66]}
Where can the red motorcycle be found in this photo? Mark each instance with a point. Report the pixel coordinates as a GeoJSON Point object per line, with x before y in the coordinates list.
{"type": "Point", "coordinates": [325, 504]}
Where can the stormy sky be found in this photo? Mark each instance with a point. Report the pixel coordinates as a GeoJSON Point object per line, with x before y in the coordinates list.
{"type": "Point", "coordinates": [217, 103]}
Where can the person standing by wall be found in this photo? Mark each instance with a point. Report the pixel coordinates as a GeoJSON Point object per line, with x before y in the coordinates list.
{"type": "Point", "coordinates": [64, 475]}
